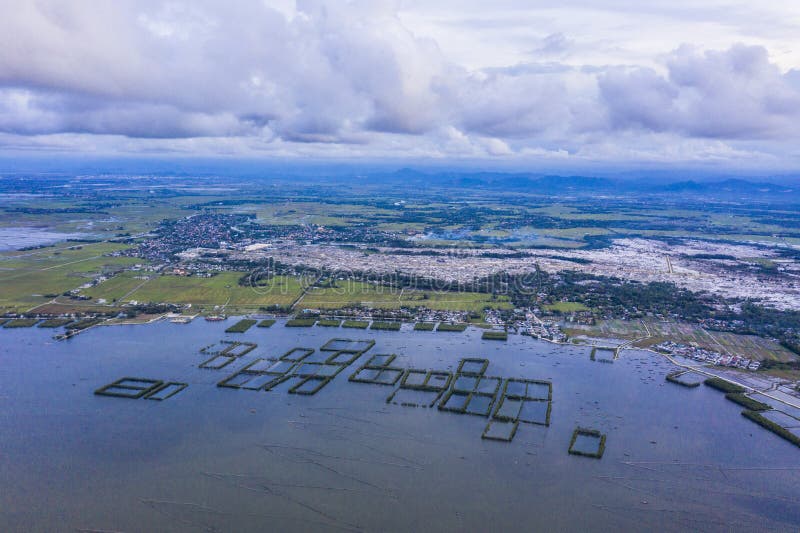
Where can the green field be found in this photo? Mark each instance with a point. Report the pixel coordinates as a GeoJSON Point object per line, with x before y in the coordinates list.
{"type": "Point", "coordinates": [33, 278]}
{"type": "Point", "coordinates": [222, 289]}
{"type": "Point", "coordinates": [566, 307]}
{"type": "Point", "coordinates": [354, 293]}
{"type": "Point", "coordinates": [749, 346]}
{"type": "Point", "coordinates": [611, 329]}
{"type": "Point", "coordinates": [118, 287]}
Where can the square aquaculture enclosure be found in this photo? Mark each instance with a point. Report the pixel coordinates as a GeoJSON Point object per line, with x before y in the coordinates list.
{"type": "Point", "coordinates": [501, 430]}
{"type": "Point", "coordinates": [466, 383]}
{"type": "Point", "coordinates": [300, 370]}
{"type": "Point", "coordinates": [488, 385]}
{"type": "Point", "coordinates": [310, 385]}
{"type": "Point", "coordinates": [455, 401]}
{"type": "Point", "coordinates": [378, 371]}
{"type": "Point", "coordinates": [473, 395]}
{"type": "Point", "coordinates": [317, 369]}
{"type": "Point", "coordinates": [380, 360]}
{"type": "Point", "coordinates": [588, 443]}
{"type": "Point", "coordinates": [296, 354]}
{"type": "Point", "coordinates": [421, 388]}
{"type": "Point", "coordinates": [259, 374]}
{"type": "Point", "coordinates": [414, 397]}
{"type": "Point", "coordinates": [472, 367]}
{"type": "Point", "coordinates": [508, 409]}
{"type": "Point", "coordinates": [342, 358]}
{"type": "Point", "coordinates": [217, 361]}
{"type": "Point", "coordinates": [376, 376]}
{"type": "Point", "coordinates": [232, 349]}
{"type": "Point", "coordinates": [480, 404]}
{"type": "Point", "coordinates": [166, 390]}
{"type": "Point", "coordinates": [415, 379]}
{"type": "Point", "coordinates": [519, 400]}
{"type": "Point", "coordinates": [129, 387]}
{"type": "Point", "coordinates": [432, 380]}
{"type": "Point", "coordinates": [238, 349]}
{"type": "Point", "coordinates": [528, 389]}
{"type": "Point", "coordinates": [535, 412]}
{"type": "Point", "coordinates": [347, 345]}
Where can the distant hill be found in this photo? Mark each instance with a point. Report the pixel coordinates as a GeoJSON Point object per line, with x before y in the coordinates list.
{"type": "Point", "coordinates": [554, 184]}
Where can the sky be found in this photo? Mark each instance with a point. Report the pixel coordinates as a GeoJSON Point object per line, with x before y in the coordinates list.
{"type": "Point", "coordinates": [713, 83]}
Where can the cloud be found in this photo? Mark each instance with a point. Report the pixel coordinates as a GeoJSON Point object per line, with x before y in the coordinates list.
{"type": "Point", "coordinates": [555, 44]}
{"type": "Point", "coordinates": [732, 94]}
{"type": "Point", "coordinates": [353, 77]}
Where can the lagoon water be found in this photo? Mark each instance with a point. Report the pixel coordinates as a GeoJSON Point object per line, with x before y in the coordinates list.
{"type": "Point", "coordinates": [213, 459]}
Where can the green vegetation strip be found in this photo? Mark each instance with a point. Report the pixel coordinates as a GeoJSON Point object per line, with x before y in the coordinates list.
{"type": "Point", "coordinates": [55, 322]}
{"type": "Point", "coordinates": [424, 326]}
{"type": "Point", "coordinates": [241, 326]}
{"type": "Point", "coordinates": [451, 327]}
{"type": "Point", "coordinates": [724, 386]}
{"type": "Point", "coordinates": [300, 322]}
{"type": "Point", "coordinates": [772, 426]}
{"type": "Point", "coordinates": [328, 323]}
{"type": "Point", "coordinates": [388, 326]}
{"type": "Point", "coordinates": [494, 335]}
{"type": "Point", "coordinates": [84, 324]}
{"type": "Point", "coordinates": [266, 323]}
{"type": "Point", "coordinates": [357, 324]}
{"type": "Point", "coordinates": [21, 323]}
{"type": "Point", "coordinates": [674, 377]}
{"type": "Point", "coordinates": [747, 402]}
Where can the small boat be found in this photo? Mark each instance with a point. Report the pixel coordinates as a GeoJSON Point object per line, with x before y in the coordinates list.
{"type": "Point", "coordinates": [215, 318]}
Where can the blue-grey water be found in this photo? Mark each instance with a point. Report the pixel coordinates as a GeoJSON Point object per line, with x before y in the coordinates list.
{"type": "Point", "coordinates": [213, 459]}
{"type": "Point", "coordinates": [18, 237]}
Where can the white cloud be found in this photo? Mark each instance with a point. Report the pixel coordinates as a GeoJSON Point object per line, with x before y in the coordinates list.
{"type": "Point", "coordinates": [395, 78]}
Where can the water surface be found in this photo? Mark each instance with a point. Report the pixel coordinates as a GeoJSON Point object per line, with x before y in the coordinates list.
{"type": "Point", "coordinates": [213, 459]}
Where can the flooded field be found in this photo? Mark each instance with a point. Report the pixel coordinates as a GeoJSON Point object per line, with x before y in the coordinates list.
{"type": "Point", "coordinates": [209, 458]}
{"type": "Point", "coordinates": [16, 238]}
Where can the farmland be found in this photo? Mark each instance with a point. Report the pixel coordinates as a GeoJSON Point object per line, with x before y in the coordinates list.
{"type": "Point", "coordinates": [354, 294]}
{"type": "Point", "coordinates": [219, 290]}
